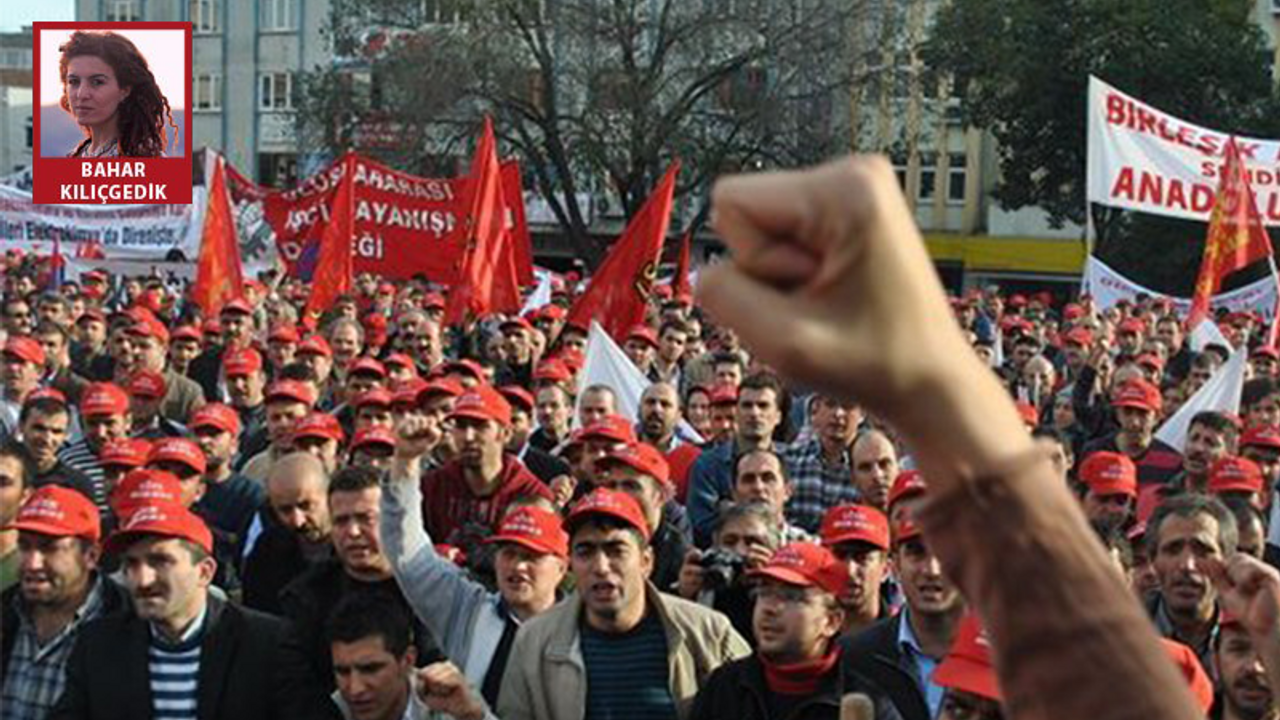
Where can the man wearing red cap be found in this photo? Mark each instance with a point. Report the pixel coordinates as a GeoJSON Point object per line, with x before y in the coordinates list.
{"type": "Point", "coordinates": [346, 339]}
{"type": "Point", "coordinates": [969, 676]}
{"type": "Point", "coordinates": [543, 464]}
{"type": "Point", "coordinates": [660, 427]}
{"type": "Point", "coordinates": [59, 593]}
{"type": "Point", "coordinates": [639, 470]}
{"type": "Point", "coordinates": [148, 345]}
{"type": "Point", "coordinates": [1110, 488]}
{"type": "Point", "coordinates": [517, 353]}
{"type": "Point", "coordinates": [245, 379]}
{"type": "Point", "coordinates": [1137, 405]}
{"type": "Point", "coordinates": [23, 367]}
{"type": "Point", "coordinates": [1211, 436]}
{"type": "Point", "coordinates": [287, 402]}
{"type": "Point", "coordinates": [795, 671]}
{"type": "Point", "coordinates": [640, 346]}
{"type": "Point", "coordinates": [475, 627]}
{"type": "Point", "coordinates": [236, 321]}
{"type": "Point", "coordinates": [104, 412]}
{"type": "Point", "coordinates": [1246, 660]}
{"type": "Point", "coordinates": [819, 468]}
{"type": "Point", "coordinates": [320, 434]}
{"type": "Point", "coordinates": [146, 390]}
{"type": "Point", "coordinates": [230, 499]}
{"type": "Point", "coordinates": [476, 488]}
{"type": "Point", "coordinates": [617, 647]}
{"type": "Point", "coordinates": [858, 535]}
{"type": "Point", "coordinates": [90, 346]}
{"type": "Point", "coordinates": [163, 657]}
{"type": "Point", "coordinates": [185, 345]}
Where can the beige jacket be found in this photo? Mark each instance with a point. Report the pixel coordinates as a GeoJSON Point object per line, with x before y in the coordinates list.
{"type": "Point", "coordinates": [546, 678]}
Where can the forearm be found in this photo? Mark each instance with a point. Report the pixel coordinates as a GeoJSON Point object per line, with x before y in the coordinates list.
{"type": "Point", "coordinates": [403, 532]}
{"type": "Point", "coordinates": [1059, 614]}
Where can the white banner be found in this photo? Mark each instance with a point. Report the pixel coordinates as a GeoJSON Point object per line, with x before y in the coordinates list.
{"type": "Point", "coordinates": [139, 232]}
{"type": "Point", "coordinates": [1140, 158]}
{"type": "Point", "coordinates": [1220, 394]}
{"type": "Point", "coordinates": [1109, 287]}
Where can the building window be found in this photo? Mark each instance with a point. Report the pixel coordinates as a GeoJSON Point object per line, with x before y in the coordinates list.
{"type": "Point", "coordinates": [16, 58]}
{"type": "Point", "coordinates": [928, 175]}
{"type": "Point", "coordinates": [278, 170]}
{"type": "Point", "coordinates": [31, 133]}
{"type": "Point", "coordinates": [957, 176]}
{"type": "Point", "coordinates": [208, 91]}
{"type": "Point", "coordinates": [204, 16]}
{"type": "Point", "coordinates": [278, 14]}
{"type": "Point", "coordinates": [447, 12]}
{"type": "Point", "coordinates": [123, 11]}
{"type": "Point", "coordinates": [275, 91]}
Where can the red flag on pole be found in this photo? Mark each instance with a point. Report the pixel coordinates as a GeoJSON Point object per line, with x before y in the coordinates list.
{"type": "Point", "coordinates": [680, 287]}
{"type": "Point", "coordinates": [513, 193]}
{"type": "Point", "coordinates": [219, 274]}
{"type": "Point", "coordinates": [620, 288]}
{"type": "Point", "coordinates": [334, 265]}
{"type": "Point", "coordinates": [1236, 235]}
{"type": "Point", "coordinates": [484, 262]}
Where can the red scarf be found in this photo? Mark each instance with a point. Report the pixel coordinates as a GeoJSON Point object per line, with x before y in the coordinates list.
{"type": "Point", "coordinates": [800, 678]}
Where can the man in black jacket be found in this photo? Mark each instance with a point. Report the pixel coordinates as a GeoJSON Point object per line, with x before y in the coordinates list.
{"type": "Point", "coordinates": [299, 537]}
{"type": "Point", "coordinates": [358, 568]}
{"type": "Point", "coordinates": [795, 671]}
{"type": "Point", "coordinates": [184, 653]}
{"type": "Point", "coordinates": [60, 591]}
{"type": "Point", "coordinates": [900, 654]}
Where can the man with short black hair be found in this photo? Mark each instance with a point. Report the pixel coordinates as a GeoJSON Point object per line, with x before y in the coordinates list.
{"type": "Point", "coordinates": [45, 423]}
{"type": "Point", "coordinates": [184, 652]}
{"type": "Point", "coordinates": [820, 467]}
{"type": "Point", "coordinates": [370, 648]}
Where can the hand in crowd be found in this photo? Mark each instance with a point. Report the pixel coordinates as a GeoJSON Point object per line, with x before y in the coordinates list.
{"type": "Point", "coordinates": [689, 585]}
{"type": "Point", "coordinates": [443, 688]}
{"type": "Point", "coordinates": [562, 489]}
{"type": "Point", "coordinates": [415, 437]}
{"type": "Point", "coordinates": [1249, 590]}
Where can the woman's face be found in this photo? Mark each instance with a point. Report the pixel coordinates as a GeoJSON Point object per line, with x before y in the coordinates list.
{"type": "Point", "coordinates": [92, 90]}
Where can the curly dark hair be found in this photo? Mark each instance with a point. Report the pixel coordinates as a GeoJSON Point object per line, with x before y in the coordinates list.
{"type": "Point", "coordinates": [144, 113]}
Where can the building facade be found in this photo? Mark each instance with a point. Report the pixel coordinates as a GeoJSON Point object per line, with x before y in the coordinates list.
{"type": "Point", "coordinates": [16, 130]}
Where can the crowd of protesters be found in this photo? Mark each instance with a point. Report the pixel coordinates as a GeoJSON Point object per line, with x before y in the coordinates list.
{"type": "Point", "coordinates": [374, 516]}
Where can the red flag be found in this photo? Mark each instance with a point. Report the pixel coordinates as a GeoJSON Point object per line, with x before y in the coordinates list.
{"type": "Point", "coordinates": [620, 288]}
{"type": "Point", "coordinates": [680, 287]}
{"type": "Point", "coordinates": [219, 274]}
{"type": "Point", "coordinates": [513, 194]}
{"type": "Point", "coordinates": [334, 265]}
{"type": "Point", "coordinates": [484, 262]}
{"type": "Point", "coordinates": [1236, 236]}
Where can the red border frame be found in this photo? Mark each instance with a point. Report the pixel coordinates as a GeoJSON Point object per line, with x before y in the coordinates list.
{"type": "Point", "coordinates": [185, 27]}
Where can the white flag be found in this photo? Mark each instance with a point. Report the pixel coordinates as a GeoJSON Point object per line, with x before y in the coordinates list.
{"type": "Point", "coordinates": [607, 364]}
{"type": "Point", "coordinates": [541, 294]}
{"type": "Point", "coordinates": [1221, 394]}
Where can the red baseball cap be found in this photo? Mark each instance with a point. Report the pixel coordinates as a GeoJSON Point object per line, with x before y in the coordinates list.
{"type": "Point", "coordinates": [536, 528]}
{"type": "Point", "coordinates": [291, 390]}
{"type": "Point", "coordinates": [464, 367]}
{"type": "Point", "coordinates": [241, 362]}
{"type": "Point", "coordinates": [1109, 473]}
{"type": "Point", "coordinates": [149, 326]}
{"type": "Point", "coordinates": [722, 394]}
{"type": "Point", "coordinates": [165, 519]}
{"type": "Point", "coordinates": [552, 371]}
{"type": "Point", "coordinates": [103, 399]}
{"type": "Point", "coordinates": [610, 503]}
{"type": "Point", "coordinates": [186, 332]}
{"type": "Point", "coordinates": [517, 322]}
{"type": "Point", "coordinates": [369, 436]}
{"type": "Point", "coordinates": [368, 366]}
{"type": "Point", "coordinates": [406, 393]}
{"type": "Point", "coordinates": [144, 487]}
{"type": "Point", "coordinates": [25, 349]}
{"type": "Point", "coordinates": [551, 311]}
{"type": "Point", "coordinates": [439, 386]}
{"type": "Point", "coordinates": [45, 393]}
{"type": "Point", "coordinates": [1027, 411]}
{"type": "Point", "coordinates": [968, 666]}
{"type": "Point", "coordinates": [238, 306]}
{"type": "Point", "coordinates": [483, 403]}
{"type": "Point", "coordinates": [125, 452]}
{"type": "Point", "coordinates": [433, 301]}
{"type": "Point", "coordinates": [1138, 393]}
{"type": "Point", "coordinates": [376, 396]}
{"type": "Point", "coordinates": [610, 427]}
{"type": "Point", "coordinates": [400, 360]}
{"type": "Point", "coordinates": [315, 345]}
{"type": "Point", "coordinates": [1267, 436]}
{"type": "Point", "coordinates": [643, 333]}
{"type": "Point", "coordinates": [807, 565]}
{"type": "Point", "coordinates": [147, 384]}
{"type": "Point", "coordinates": [61, 512]}
{"type": "Point", "coordinates": [212, 326]}
{"type": "Point", "coordinates": [319, 425]}
{"type": "Point", "coordinates": [572, 358]}
{"type": "Point", "coordinates": [1184, 658]}
{"type": "Point", "coordinates": [284, 334]}
{"type": "Point", "coordinates": [1266, 351]}
{"type": "Point", "coordinates": [517, 395]}
{"type": "Point", "coordinates": [179, 450]}
{"type": "Point", "coordinates": [1235, 474]}
{"type": "Point", "coordinates": [1072, 311]}
{"type": "Point", "coordinates": [1151, 361]}
{"type": "Point", "coordinates": [1132, 325]}
{"type": "Point", "coordinates": [1078, 336]}
{"type": "Point", "coordinates": [908, 484]}
{"type": "Point", "coordinates": [92, 313]}
{"type": "Point", "coordinates": [641, 457]}
{"type": "Point", "coordinates": [216, 415]}
{"type": "Point", "coordinates": [855, 523]}
{"type": "Point", "coordinates": [905, 529]}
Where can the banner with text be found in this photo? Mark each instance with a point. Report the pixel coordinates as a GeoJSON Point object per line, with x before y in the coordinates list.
{"type": "Point", "coordinates": [1140, 158]}
{"type": "Point", "coordinates": [1109, 287]}
{"type": "Point", "coordinates": [405, 224]}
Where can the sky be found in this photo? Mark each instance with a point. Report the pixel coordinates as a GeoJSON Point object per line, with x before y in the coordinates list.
{"type": "Point", "coordinates": [16, 13]}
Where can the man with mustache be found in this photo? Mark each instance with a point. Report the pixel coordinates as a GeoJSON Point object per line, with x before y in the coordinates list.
{"type": "Point", "coordinates": [1210, 437]}
{"type": "Point", "coordinates": [358, 567]}
{"type": "Point", "coordinates": [1246, 651]}
{"type": "Point", "coordinates": [298, 498]}
{"type": "Point", "coordinates": [60, 590]}
{"type": "Point", "coordinates": [819, 467]}
{"type": "Point", "coordinates": [1187, 536]}
{"type": "Point", "coordinates": [901, 653]}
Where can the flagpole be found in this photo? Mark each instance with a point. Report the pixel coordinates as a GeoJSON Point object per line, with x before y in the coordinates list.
{"type": "Point", "coordinates": [1274, 334]}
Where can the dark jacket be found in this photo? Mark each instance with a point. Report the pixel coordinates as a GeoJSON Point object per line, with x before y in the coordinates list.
{"type": "Point", "coordinates": [115, 601]}
{"type": "Point", "coordinates": [874, 656]}
{"type": "Point", "coordinates": [670, 543]}
{"type": "Point", "coordinates": [249, 670]}
{"type": "Point", "coordinates": [309, 600]}
{"type": "Point", "coordinates": [277, 559]}
{"type": "Point", "coordinates": [737, 690]}
{"type": "Point", "coordinates": [544, 465]}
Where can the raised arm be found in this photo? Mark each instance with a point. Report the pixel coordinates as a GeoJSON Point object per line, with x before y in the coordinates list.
{"type": "Point", "coordinates": [830, 283]}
